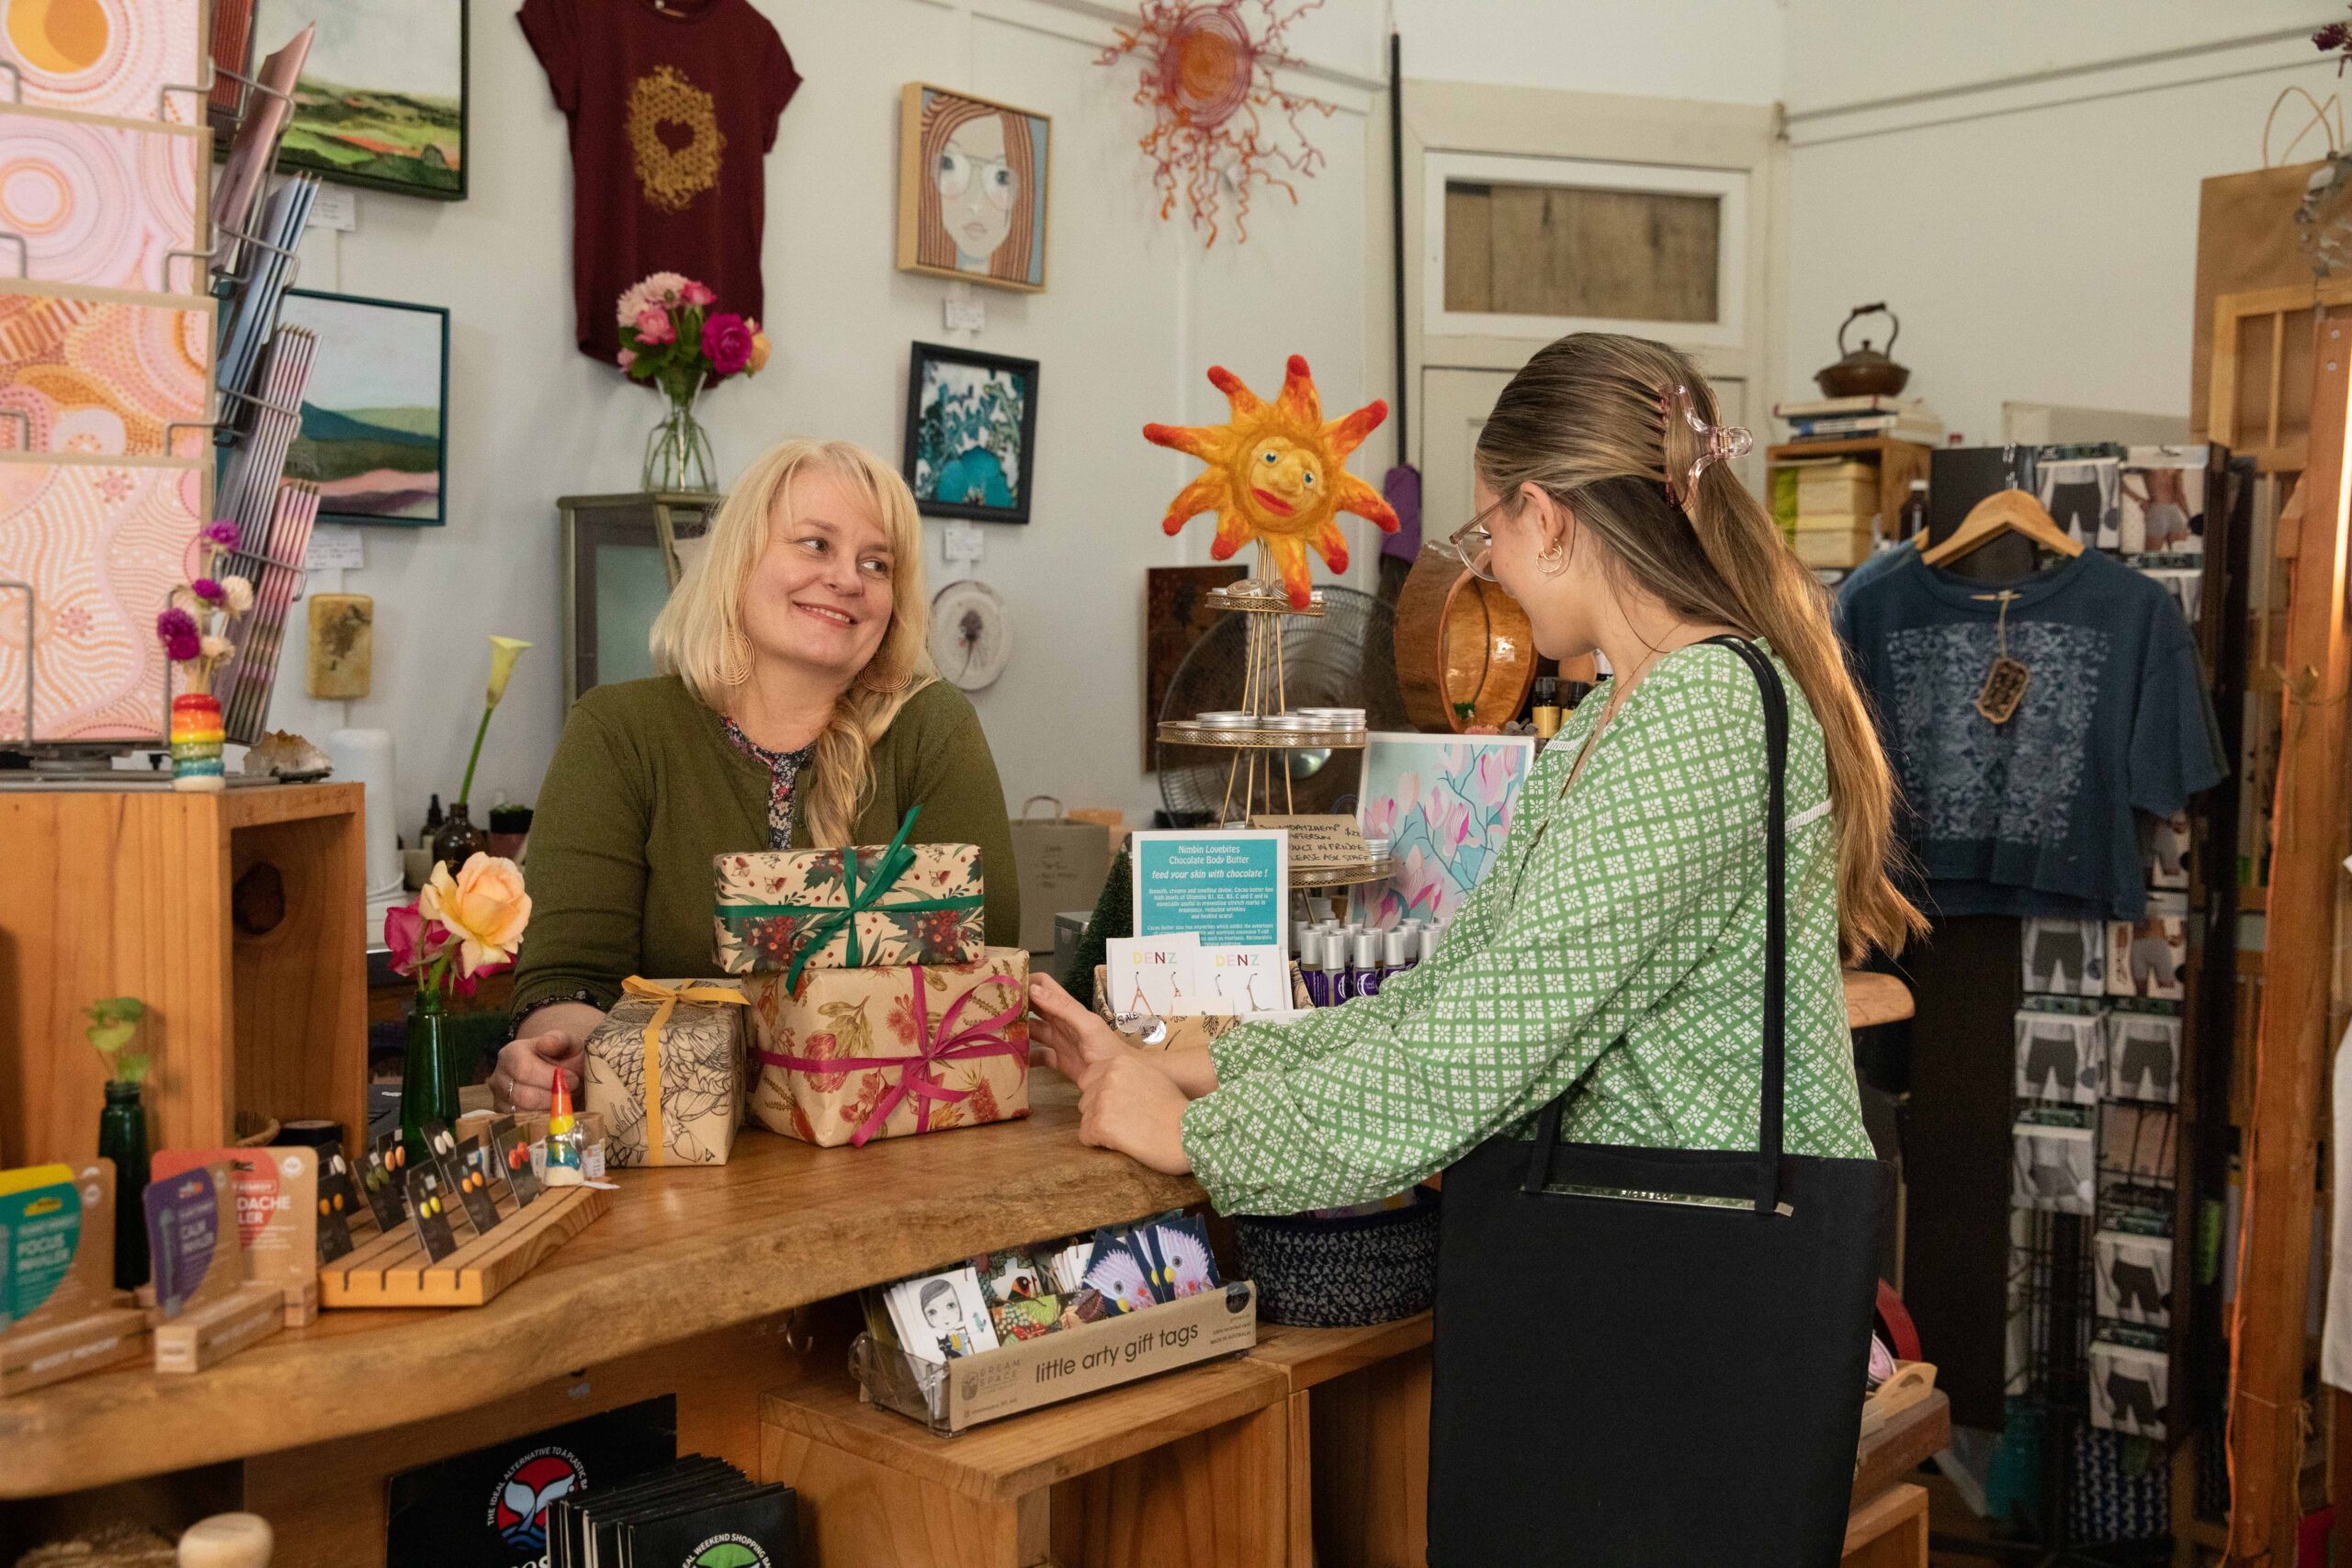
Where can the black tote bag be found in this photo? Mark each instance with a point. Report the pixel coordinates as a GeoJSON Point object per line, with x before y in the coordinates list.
{"type": "Point", "coordinates": [1625, 1382]}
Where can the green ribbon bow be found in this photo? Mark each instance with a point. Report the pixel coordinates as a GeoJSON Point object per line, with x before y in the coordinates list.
{"type": "Point", "coordinates": [832, 921]}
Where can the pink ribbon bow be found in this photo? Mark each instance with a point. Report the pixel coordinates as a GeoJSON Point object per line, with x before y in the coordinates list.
{"type": "Point", "coordinates": [1717, 443]}
{"type": "Point", "coordinates": [945, 1043]}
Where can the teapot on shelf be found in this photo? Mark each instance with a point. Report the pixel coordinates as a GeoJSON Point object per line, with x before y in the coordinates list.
{"type": "Point", "coordinates": [1862, 371]}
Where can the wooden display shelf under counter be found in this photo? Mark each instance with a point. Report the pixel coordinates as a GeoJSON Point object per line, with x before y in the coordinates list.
{"type": "Point", "coordinates": [234, 916]}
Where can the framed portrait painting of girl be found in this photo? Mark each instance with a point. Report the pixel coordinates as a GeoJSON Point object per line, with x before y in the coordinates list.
{"type": "Point", "coordinates": [972, 188]}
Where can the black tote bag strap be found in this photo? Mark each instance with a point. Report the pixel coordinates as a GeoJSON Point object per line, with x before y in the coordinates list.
{"type": "Point", "coordinates": [1708, 1173]}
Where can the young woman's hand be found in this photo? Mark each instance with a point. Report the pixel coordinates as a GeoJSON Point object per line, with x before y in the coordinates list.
{"type": "Point", "coordinates": [1065, 1036]}
{"type": "Point", "coordinates": [1128, 1104]}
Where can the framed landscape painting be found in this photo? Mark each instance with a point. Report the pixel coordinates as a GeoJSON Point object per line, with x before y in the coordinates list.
{"type": "Point", "coordinates": [375, 414]}
{"type": "Point", "coordinates": [381, 101]}
{"type": "Point", "coordinates": [971, 434]}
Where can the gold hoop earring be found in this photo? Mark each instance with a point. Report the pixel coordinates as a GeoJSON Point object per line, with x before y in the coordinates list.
{"type": "Point", "coordinates": [1552, 561]}
{"type": "Point", "coordinates": [735, 665]}
{"type": "Point", "coordinates": [885, 687]}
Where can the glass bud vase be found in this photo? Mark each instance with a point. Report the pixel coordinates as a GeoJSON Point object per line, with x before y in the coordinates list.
{"type": "Point", "coordinates": [197, 738]}
{"type": "Point", "coordinates": [428, 1078]}
{"type": "Point", "coordinates": [677, 452]}
{"type": "Point", "coordinates": [122, 1138]}
{"type": "Point", "coordinates": [457, 840]}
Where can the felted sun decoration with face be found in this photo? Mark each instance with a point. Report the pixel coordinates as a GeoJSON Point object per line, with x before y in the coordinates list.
{"type": "Point", "coordinates": [1277, 474]}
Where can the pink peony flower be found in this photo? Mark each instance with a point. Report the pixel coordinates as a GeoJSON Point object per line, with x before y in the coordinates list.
{"type": "Point", "coordinates": [206, 590]}
{"type": "Point", "coordinates": [653, 326]}
{"type": "Point", "coordinates": [627, 358]}
{"type": "Point", "coordinates": [656, 288]}
{"type": "Point", "coordinates": [728, 341]}
{"type": "Point", "coordinates": [223, 533]}
{"type": "Point", "coordinates": [693, 293]}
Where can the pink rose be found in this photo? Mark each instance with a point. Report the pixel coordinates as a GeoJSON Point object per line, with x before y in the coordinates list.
{"type": "Point", "coordinates": [403, 931]}
{"type": "Point", "coordinates": [629, 357]}
{"type": "Point", "coordinates": [693, 293]}
{"type": "Point", "coordinates": [653, 326]}
{"type": "Point", "coordinates": [728, 341]}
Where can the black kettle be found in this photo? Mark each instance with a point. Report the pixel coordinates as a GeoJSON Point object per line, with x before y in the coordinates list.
{"type": "Point", "coordinates": [1862, 371]}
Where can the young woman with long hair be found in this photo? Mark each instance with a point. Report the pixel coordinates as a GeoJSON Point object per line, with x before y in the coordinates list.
{"type": "Point", "coordinates": [1608, 970]}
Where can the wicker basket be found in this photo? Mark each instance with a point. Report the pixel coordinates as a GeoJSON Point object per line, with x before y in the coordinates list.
{"type": "Point", "coordinates": [1342, 1273]}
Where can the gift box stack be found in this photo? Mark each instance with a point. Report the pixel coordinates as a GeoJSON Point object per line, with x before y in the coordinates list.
{"type": "Point", "coordinates": [876, 1010]}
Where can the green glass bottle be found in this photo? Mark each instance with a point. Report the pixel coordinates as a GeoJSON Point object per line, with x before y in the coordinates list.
{"type": "Point", "coordinates": [428, 1082]}
{"type": "Point", "coordinates": [122, 1138]}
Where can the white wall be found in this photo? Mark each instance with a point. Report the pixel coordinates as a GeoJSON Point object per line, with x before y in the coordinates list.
{"type": "Point", "coordinates": [2020, 182]}
{"type": "Point", "coordinates": [1134, 315]}
{"type": "Point", "coordinates": [1722, 50]}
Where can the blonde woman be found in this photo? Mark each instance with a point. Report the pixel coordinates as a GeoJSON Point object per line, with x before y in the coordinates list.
{"type": "Point", "coordinates": [797, 707]}
{"type": "Point", "coordinates": [1597, 1022]}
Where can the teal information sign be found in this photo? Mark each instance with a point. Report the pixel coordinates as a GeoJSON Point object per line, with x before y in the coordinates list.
{"type": "Point", "coordinates": [1230, 889]}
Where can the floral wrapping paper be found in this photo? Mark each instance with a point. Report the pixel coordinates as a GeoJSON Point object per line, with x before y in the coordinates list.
{"type": "Point", "coordinates": [701, 1079]}
{"type": "Point", "coordinates": [850, 1055]}
{"type": "Point", "coordinates": [779, 909]}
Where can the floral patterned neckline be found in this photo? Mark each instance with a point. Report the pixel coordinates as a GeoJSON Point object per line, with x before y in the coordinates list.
{"type": "Point", "coordinates": [783, 778]}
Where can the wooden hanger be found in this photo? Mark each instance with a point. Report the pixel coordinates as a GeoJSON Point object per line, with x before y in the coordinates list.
{"type": "Point", "coordinates": [2004, 512]}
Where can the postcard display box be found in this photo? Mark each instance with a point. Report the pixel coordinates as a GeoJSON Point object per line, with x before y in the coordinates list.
{"type": "Point", "coordinates": [1034, 1474]}
{"type": "Point", "coordinates": [237, 917]}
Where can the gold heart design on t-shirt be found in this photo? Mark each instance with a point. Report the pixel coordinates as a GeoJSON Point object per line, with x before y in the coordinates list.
{"type": "Point", "coordinates": [673, 131]}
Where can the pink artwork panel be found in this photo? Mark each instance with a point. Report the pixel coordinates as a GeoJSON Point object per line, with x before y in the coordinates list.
{"type": "Point", "coordinates": [98, 205]}
{"type": "Point", "coordinates": [102, 545]}
{"type": "Point", "coordinates": [102, 379]}
{"type": "Point", "coordinates": [111, 57]}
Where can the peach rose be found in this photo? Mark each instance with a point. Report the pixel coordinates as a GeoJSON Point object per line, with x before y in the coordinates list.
{"type": "Point", "coordinates": [483, 906]}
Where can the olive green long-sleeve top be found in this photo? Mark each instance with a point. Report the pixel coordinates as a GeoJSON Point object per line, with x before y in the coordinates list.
{"type": "Point", "coordinates": [645, 790]}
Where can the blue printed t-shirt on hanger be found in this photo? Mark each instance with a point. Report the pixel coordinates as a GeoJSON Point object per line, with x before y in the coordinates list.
{"type": "Point", "coordinates": [2034, 816]}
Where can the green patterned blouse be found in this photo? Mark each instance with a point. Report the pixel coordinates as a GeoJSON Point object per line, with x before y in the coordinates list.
{"type": "Point", "coordinates": [1621, 924]}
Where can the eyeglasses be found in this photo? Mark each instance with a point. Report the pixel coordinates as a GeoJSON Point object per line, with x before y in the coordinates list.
{"type": "Point", "coordinates": [1475, 545]}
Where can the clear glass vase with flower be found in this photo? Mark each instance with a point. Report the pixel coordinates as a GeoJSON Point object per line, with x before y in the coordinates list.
{"type": "Point", "coordinates": [459, 929]}
{"type": "Point", "coordinates": [674, 338]}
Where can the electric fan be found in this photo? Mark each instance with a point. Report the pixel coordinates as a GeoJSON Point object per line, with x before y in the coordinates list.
{"type": "Point", "coordinates": [1344, 658]}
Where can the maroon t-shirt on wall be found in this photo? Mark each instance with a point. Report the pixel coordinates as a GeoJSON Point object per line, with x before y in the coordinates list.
{"type": "Point", "coordinates": [673, 108]}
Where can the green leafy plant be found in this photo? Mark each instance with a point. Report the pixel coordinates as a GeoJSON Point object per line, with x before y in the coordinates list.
{"type": "Point", "coordinates": [114, 1023]}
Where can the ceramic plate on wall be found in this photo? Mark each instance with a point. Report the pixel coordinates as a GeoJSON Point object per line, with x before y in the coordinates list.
{"type": "Point", "coordinates": [971, 634]}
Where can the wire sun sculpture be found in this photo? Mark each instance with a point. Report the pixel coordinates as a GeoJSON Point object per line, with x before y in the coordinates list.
{"type": "Point", "coordinates": [1219, 116]}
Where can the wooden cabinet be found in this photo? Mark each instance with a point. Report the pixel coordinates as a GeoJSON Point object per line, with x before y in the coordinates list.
{"type": "Point", "coordinates": [235, 916]}
{"type": "Point", "coordinates": [1897, 462]}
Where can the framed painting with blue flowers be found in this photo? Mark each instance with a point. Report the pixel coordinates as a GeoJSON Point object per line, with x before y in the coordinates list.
{"type": "Point", "coordinates": [971, 434]}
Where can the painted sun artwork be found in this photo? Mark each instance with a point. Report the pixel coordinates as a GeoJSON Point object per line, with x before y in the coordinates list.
{"type": "Point", "coordinates": [1277, 474]}
{"type": "Point", "coordinates": [1218, 118]}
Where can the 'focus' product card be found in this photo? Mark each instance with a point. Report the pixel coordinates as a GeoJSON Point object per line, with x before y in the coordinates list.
{"type": "Point", "coordinates": [473, 1185]}
{"type": "Point", "coordinates": [383, 1179]}
{"type": "Point", "coordinates": [428, 1201]}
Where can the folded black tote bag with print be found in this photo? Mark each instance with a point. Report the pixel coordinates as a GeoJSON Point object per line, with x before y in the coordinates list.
{"type": "Point", "coordinates": [1645, 1383]}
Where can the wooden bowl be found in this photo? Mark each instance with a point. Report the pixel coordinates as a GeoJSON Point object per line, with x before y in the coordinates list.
{"type": "Point", "coordinates": [1460, 640]}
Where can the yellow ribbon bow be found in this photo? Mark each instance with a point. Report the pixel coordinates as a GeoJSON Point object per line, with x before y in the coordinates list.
{"type": "Point", "coordinates": [668, 997]}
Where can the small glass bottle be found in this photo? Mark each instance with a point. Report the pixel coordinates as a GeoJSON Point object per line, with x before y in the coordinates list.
{"type": "Point", "coordinates": [457, 840]}
{"type": "Point", "coordinates": [1311, 972]}
{"type": "Point", "coordinates": [1399, 950]}
{"type": "Point", "coordinates": [122, 1138]}
{"type": "Point", "coordinates": [1367, 964]}
{"type": "Point", "coordinates": [1546, 714]}
{"type": "Point", "coordinates": [1912, 519]}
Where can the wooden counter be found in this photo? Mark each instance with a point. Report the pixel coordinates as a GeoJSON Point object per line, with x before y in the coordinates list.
{"type": "Point", "coordinates": [684, 1256]}
{"type": "Point", "coordinates": [682, 1253]}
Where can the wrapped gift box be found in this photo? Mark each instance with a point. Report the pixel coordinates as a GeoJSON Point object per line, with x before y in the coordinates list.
{"type": "Point", "coordinates": [849, 1054]}
{"type": "Point", "coordinates": [848, 908]}
{"type": "Point", "coordinates": [665, 1073]}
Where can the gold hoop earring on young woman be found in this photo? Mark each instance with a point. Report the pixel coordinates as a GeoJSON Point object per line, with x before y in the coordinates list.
{"type": "Point", "coordinates": [1553, 561]}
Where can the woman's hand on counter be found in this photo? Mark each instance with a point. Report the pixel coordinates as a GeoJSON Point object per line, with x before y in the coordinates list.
{"type": "Point", "coordinates": [1127, 1103]}
{"type": "Point", "coordinates": [554, 1040]}
{"type": "Point", "coordinates": [1070, 1038]}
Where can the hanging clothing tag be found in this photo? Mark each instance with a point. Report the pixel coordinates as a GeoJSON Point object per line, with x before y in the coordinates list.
{"type": "Point", "coordinates": [2005, 683]}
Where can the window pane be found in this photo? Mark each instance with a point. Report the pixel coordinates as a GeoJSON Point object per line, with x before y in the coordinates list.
{"type": "Point", "coordinates": [1521, 250]}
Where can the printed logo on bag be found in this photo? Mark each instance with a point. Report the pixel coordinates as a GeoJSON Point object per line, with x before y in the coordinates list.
{"type": "Point", "coordinates": [519, 1507]}
{"type": "Point", "coordinates": [728, 1551]}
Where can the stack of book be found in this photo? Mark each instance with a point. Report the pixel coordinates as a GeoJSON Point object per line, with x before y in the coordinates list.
{"type": "Point", "coordinates": [1859, 418]}
{"type": "Point", "coordinates": [1829, 509]}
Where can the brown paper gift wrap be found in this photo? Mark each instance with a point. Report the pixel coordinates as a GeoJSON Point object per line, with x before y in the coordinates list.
{"type": "Point", "coordinates": [848, 908]}
{"type": "Point", "coordinates": [665, 1073]}
{"type": "Point", "coordinates": [849, 1054]}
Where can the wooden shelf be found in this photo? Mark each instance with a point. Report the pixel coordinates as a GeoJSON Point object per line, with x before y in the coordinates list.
{"type": "Point", "coordinates": [1310, 1355]}
{"type": "Point", "coordinates": [1010, 1459]}
{"type": "Point", "coordinates": [684, 1252]}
